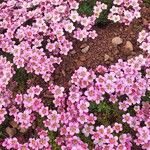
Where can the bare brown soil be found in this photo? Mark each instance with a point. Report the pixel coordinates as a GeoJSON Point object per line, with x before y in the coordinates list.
{"type": "Point", "coordinates": [102, 46]}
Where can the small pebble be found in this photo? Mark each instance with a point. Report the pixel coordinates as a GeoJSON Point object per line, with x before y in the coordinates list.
{"type": "Point", "coordinates": [106, 57]}
{"type": "Point", "coordinates": [83, 45]}
{"type": "Point", "coordinates": [10, 131]}
{"type": "Point", "coordinates": [129, 46]}
{"type": "Point", "coordinates": [117, 41]}
{"type": "Point", "coordinates": [13, 124]}
{"type": "Point", "coordinates": [73, 52]}
{"type": "Point", "coordinates": [85, 49]}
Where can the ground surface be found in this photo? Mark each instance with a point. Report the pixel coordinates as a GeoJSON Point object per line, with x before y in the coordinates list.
{"type": "Point", "coordinates": [101, 50]}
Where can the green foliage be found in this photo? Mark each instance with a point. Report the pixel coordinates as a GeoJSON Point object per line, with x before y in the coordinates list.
{"type": "Point", "coordinates": [86, 7]}
{"type": "Point", "coordinates": [146, 98]}
{"type": "Point", "coordinates": [103, 107]}
{"type": "Point", "coordinates": [104, 15]}
{"type": "Point", "coordinates": [40, 121]}
{"type": "Point", "coordinates": [131, 110]}
{"type": "Point", "coordinates": [52, 136]}
{"type": "Point", "coordinates": [138, 27]}
{"type": "Point", "coordinates": [7, 55]}
{"type": "Point", "coordinates": [147, 3]}
{"type": "Point", "coordinates": [106, 112]}
{"type": "Point", "coordinates": [86, 140]}
{"type": "Point", "coordinates": [3, 127]}
{"type": "Point", "coordinates": [21, 77]}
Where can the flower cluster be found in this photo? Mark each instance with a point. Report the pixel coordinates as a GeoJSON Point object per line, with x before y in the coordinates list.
{"type": "Point", "coordinates": [141, 117]}
{"type": "Point", "coordinates": [104, 139]}
{"type": "Point", "coordinates": [72, 143]}
{"type": "Point", "coordinates": [71, 116]}
{"type": "Point", "coordinates": [124, 11]}
{"type": "Point", "coordinates": [34, 143]}
{"type": "Point", "coordinates": [144, 40]}
{"type": "Point", "coordinates": [32, 59]}
{"type": "Point", "coordinates": [31, 104]}
{"type": "Point", "coordinates": [6, 72]}
{"type": "Point", "coordinates": [122, 79]}
{"type": "Point", "coordinates": [36, 32]}
{"type": "Point", "coordinates": [5, 101]}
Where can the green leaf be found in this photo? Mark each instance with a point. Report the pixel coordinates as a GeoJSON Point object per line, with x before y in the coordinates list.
{"type": "Point", "coordinates": [52, 136]}
{"type": "Point", "coordinates": [21, 77]}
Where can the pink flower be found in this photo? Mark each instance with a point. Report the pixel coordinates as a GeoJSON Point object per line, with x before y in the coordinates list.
{"type": "Point", "coordinates": [126, 118]}
{"type": "Point", "coordinates": [144, 134]}
{"type": "Point", "coordinates": [19, 99]}
{"type": "Point", "coordinates": [74, 16]}
{"type": "Point", "coordinates": [74, 96]}
{"type": "Point", "coordinates": [54, 116]}
{"type": "Point", "coordinates": [109, 87]}
{"type": "Point", "coordinates": [83, 106]}
{"type": "Point", "coordinates": [6, 72]}
{"type": "Point", "coordinates": [44, 111]}
{"type": "Point", "coordinates": [28, 101]}
{"type": "Point", "coordinates": [13, 111]}
{"type": "Point", "coordinates": [91, 119]}
{"type": "Point", "coordinates": [63, 131]}
{"type": "Point", "coordinates": [101, 130]}
{"type": "Point", "coordinates": [121, 147]}
{"type": "Point", "coordinates": [109, 130]}
{"type": "Point", "coordinates": [10, 143]}
{"type": "Point", "coordinates": [24, 118]}
{"type": "Point", "coordinates": [69, 27]}
{"type": "Point", "coordinates": [113, 140]}
{"type": "Point", "coordinates": [43, 142]}
{"type": "Point", "coordinates": [123, 105]}
{"type": "Point", "coordinates": [52, 126]}
{"type": "Point", "coordinates": [124, 11]}
{"type": "Point", "coordinates": [23, 147]}
{"type": "Point", "coordinates": [58, 91]}
{"type": "Point", "coordinates": [82, 118]}
{"type": "Point", "coordinates": [73, 128]}
{"type": "Point", "coordinates": [33, 143]}
{"type": "Point", "coordinates": [87, 130]}
{"type": "Point", "coordinates": [117, 127]}
{"type": "Point", "coordinates": [90, 93]}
